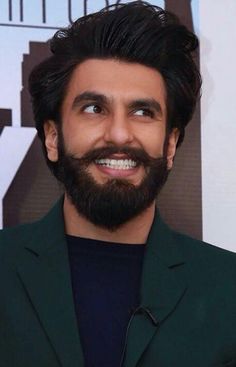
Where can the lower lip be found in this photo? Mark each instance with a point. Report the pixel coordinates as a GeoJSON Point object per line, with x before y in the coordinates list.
{"type": "Point", "coordinates": [117, 172]}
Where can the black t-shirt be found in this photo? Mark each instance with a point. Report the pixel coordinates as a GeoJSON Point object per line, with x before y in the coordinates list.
{"type": "Point", "coordinates": [105, 282]}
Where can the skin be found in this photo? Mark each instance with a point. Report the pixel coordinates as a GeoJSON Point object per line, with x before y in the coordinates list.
{"type": "Point", "coordinates": [110, 102]}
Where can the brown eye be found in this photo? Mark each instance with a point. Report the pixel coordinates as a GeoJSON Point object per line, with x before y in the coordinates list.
{"type": "Point", "coordinates": [92, 108]}
{"type": "Point", "coordinates": [144, 112]}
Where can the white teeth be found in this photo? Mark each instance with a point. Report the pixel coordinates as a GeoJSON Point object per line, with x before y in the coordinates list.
{"type": "Point", "coordinates": [116, 163]}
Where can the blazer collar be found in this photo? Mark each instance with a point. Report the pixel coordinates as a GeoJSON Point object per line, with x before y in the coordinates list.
{"type": "Point", "coordinates": [162, 288]}
{"type": "Point", "coordinates": [44, 270]}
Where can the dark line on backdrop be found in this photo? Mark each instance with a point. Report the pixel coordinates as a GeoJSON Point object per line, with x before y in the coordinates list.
{"type": "Point", "coordinates": [28, 26]}
{"type": "Point", "coordinates": [21, 11]}
{"type": "Point", "coordinates": [44, 10]}
{"type": "Point", "coordinates": [10, 9]}
{"type": "Point", "coordinates": [85, 7]}
{"type": "Point", "coordinates": [69, 11]}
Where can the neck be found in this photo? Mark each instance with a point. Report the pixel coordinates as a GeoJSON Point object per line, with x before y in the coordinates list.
{"type": "Point", "coordinates": [135, 231]}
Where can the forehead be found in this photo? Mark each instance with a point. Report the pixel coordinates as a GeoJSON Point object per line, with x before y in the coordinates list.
{"type": "Point", "coordinates": [118, 80]}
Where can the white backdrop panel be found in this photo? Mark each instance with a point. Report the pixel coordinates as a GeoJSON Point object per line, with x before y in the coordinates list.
{"type": "Point", "coordinates": [218, 62]}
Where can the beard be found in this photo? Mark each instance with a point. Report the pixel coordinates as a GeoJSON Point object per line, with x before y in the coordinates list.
{"type": "Point", "coordinates": [115, 202]}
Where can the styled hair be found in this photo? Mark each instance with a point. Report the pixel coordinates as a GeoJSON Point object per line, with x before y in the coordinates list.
{"type": "Point", "coordinates": [135, 32]}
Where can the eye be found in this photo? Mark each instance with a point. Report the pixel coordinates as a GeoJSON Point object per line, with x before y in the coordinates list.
{"type": "Point", "coordinates": [144, 112]}
{"type": "Point", "coordinates": [92, 108]}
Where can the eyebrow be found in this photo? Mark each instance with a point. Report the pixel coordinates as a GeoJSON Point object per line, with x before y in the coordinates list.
{"type": "Point", "coordinates": [101, 98]}
{"type": "Point", "coordinates": [147, 103]}
{"type": "Point", "coordinates": [89, 96]}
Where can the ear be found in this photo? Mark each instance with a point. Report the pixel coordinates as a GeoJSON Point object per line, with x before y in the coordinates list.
{"type": "Point", "coordinates": [51, 140]}
{"type": "Point", "coordinates": [171, 147]}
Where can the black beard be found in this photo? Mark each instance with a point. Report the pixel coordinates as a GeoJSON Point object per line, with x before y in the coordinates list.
{"type": "Point", "coordinates": [117, 201]}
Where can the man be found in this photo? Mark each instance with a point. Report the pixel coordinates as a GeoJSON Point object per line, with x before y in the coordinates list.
{"type": "Point", "coordinates": [101, 280]}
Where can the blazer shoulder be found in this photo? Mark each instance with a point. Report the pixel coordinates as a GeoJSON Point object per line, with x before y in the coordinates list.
{"type": "Point", "coordinates": [205, 254]}
{"type": "Point", "coordinates": [14, 238]}
{"type": "Point", "coordinates": [193, 244]}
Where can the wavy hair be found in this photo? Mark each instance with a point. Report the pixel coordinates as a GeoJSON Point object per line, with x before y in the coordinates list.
{"type": "Point", "coordinates": [133, 32]}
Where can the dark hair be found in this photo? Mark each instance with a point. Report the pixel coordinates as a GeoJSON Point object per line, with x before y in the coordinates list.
{"type": "Point", "coordinates": [133, 32]}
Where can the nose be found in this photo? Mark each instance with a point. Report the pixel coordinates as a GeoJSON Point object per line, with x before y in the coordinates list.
{"type": "Point", "coordinates": [118, 130]}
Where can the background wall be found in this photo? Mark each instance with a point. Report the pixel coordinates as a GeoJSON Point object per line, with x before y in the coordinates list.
{"type": "Point", "coordinates": [218, 62]}
{"type": "Point", "coordinates": [200, 196]}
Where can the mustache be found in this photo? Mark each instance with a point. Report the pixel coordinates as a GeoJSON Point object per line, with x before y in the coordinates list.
{"type": "Point", "coordinates": [136, 154]}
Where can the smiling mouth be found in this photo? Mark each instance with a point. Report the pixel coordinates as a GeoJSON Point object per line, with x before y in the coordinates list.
{"type": "Point", "coordinates": [118, 164]}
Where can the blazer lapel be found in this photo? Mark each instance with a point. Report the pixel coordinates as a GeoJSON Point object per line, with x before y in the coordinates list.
{"type": "Point", "coordinates": [162, 288]}
{"type": "Point", "coordinates": [44, 271]}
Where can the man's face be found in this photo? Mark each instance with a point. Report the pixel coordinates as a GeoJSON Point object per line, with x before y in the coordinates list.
{"type": "Point", "coordinates": [114, 121]}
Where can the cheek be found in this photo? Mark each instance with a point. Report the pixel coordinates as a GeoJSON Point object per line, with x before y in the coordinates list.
{"type": "Point", "coordinates": [79, 138]}
{"type": "Point", "coordinates": [153, 141]}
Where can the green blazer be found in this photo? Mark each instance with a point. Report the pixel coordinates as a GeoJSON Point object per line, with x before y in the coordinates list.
{"type": "Point", "coordinates": [187, 315]}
